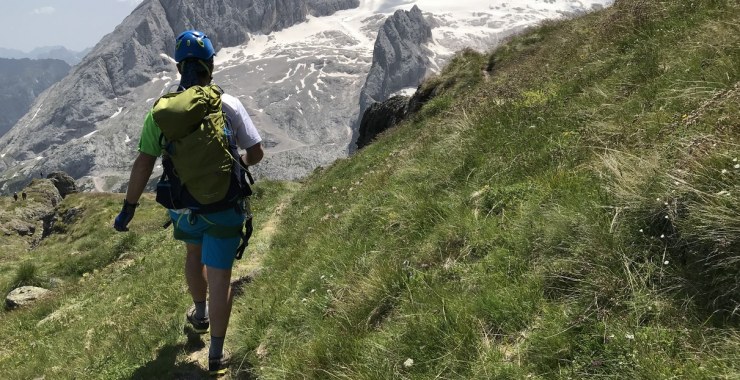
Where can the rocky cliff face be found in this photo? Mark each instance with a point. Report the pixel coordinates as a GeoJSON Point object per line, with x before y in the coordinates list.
{"type": "Point", "coordinates": [91, 119]}
{"type": "Point", "coordinates": [21, 81]}
{"type": "Point", "coordinates": [399, 58]}
{"type": "Point", "coordinates": [228, 21]}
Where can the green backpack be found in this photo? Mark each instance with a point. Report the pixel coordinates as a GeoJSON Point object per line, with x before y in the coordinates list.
{"type": "Point", "coordinates": [202, 170]}
{"type": "Point", "coordinates": [194, 128]}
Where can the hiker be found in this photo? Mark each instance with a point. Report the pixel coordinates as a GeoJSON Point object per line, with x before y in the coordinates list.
{"type": "Point", "coordinates": [210, 238]}
{"type": "Point", "coordinates": [23, 195]}
{"type": "Point", "coordinates": [15, 197]}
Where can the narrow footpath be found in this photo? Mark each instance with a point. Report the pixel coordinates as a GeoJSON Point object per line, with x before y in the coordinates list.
{"type": "Point", "coordinates": [194, 359]}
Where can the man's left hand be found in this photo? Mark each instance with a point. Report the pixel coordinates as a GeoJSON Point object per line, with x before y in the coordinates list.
{"type": "Point", "coordinates": [125, 216]}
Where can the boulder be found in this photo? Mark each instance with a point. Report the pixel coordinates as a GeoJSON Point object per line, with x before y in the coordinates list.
{"type": "Point", "coordinates": [23, 296]}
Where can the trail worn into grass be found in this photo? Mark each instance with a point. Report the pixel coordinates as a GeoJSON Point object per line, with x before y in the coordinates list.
{"type": "Point", "coordinates": [194, 357]}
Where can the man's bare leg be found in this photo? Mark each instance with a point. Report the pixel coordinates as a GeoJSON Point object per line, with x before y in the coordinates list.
{"type": "Point", "coordinates": [195, 274]}
{"type": "Point", "coordinates": [219, 299]}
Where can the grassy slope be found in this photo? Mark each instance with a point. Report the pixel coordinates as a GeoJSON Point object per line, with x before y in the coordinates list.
{"type": "Point", "coordinates": [512, 228]}
{"type": "Point", "coordinates": [118, 312]}
{"type": "Point", "coordinates": [570, 213]}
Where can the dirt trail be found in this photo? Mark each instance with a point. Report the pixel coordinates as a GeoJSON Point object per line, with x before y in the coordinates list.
{"type": "Point", "coordinates": [194, 358]}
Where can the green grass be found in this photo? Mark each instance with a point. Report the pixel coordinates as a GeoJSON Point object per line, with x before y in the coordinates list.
{"type": "Point", "coordinates": [565, 207]}
{"type": "Point", "coordinates": [117, 308]}
{"type": "Point", "coordinates": [497, 233]}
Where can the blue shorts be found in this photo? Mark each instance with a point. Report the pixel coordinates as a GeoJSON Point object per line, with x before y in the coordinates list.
{"type": "Point", "coordinates": [217, 233]}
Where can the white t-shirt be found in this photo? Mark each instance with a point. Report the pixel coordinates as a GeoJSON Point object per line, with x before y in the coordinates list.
{"type": "Point", "coordinates": [239, 120]}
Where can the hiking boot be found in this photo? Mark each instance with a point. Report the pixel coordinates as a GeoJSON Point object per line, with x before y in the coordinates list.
{"type": "Point", "coordinates": [199, 325]}
{"type": "Point", "coordinates": [218, 366]}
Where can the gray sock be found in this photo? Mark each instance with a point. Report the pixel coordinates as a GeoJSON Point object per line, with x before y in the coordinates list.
{"type": "Point", "coordinates": [201, 310]}
{"type": "Point", "coordinates": [217, 347]}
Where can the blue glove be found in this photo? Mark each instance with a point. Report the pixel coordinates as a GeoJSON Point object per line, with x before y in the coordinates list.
{"type": "Point", "coordinates": [125, 216]}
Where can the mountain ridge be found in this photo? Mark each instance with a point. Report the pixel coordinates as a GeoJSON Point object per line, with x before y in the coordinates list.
{"type": "Point", "coordinates": [47, 52]}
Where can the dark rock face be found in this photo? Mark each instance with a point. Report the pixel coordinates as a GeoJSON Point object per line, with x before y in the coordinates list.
{"type": "Point", "coordinates": [21, 81]}
{"type": "Point", "coordinates": [398, 57]}
{"type": "Point", "coordinates": [379, 117]}
{"type": "Point", "coordinates": [326, 7]}
{"type": "Point", "coordinates": [227, 22]}
{"type": "Point", "coordinates": [63, 182]}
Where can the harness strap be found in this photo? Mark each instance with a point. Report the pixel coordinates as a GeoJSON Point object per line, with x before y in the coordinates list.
{"type": "Point", "coordinates": [248, 229]}
{"type": "Point", "coordinates": [223, 232]}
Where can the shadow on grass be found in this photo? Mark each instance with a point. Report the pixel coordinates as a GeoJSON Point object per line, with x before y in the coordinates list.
{"type": "Point", "coordinates": [237, 286]}
{"type": "Point", "coordinates": [165, 365]}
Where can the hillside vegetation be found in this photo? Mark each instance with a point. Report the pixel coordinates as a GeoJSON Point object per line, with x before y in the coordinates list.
{"type": "Point", "coordinates": [565, 207]}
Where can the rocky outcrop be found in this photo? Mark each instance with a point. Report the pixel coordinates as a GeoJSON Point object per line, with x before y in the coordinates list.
{"type": "Point", "coordinates": [64, 183]}
{"type": "Point", "coordinates": [32, 219]}
{"type": "Point", "coordinates": [23, 296]}
{"type": "Point", "coordinates": [399, 60]}
{"type": "Point", "coordinates": [21, 81]}
{"type": "Point", "coordinates": [380, 117]}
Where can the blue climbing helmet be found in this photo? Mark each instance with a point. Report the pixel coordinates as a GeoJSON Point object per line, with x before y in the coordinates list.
{"type": "Point", "coordinates": [193, 44]}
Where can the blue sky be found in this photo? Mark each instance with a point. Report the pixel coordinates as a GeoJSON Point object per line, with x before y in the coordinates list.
{"type": "Point", "coordinates": [74, 24]}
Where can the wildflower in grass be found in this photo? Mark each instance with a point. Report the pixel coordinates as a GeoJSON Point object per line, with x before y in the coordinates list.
{"type": "Point", "coordinates": [662, 236]}
{"type": "Point", "coordinates": [665, 262]}
{"type": "Point", "coordinates": [629, 336]}
{"type": "Point", "coordinates": [408, 363]}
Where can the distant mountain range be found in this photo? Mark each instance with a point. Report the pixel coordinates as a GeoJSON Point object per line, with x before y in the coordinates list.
{"type": "Point", "coordinates": [47, 52]}
{"type": "Point", "coordinates": [304, 69]}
